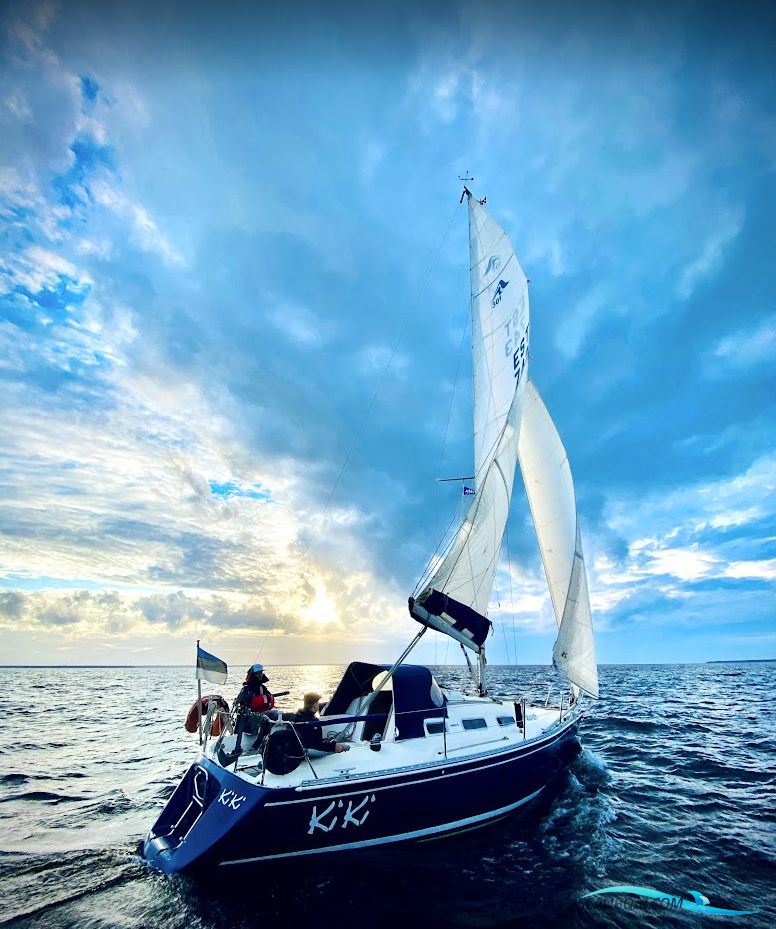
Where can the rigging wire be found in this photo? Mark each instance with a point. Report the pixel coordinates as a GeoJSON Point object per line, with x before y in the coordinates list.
{"type": "Point", "coordinates": [437, 540]}
{"type": "Point", "coordinates": [402, 332]}
{"type": "Point", "coordinates": [501, 625]}
{"type": "Point", "coordinates": [511, 593]}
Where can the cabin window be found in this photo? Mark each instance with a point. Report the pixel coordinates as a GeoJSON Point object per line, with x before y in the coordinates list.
{"type": "Point", "coordinates": [505, 720]}
{"type": "Point", "coordinates": [476, 723]}
{"type": "Point", "coordinates": [435, 726]}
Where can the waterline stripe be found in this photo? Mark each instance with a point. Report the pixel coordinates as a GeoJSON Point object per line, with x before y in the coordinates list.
{"type": "Point", "coordinates": [415, 834]}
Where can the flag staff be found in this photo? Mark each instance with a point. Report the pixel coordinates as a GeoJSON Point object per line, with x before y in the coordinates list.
{"type": "Point", "coordinates": [199, 698]}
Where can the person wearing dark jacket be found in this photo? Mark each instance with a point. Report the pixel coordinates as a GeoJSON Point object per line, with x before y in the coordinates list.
{"type": "Point", "coordinates": [255, 696]}
{"type": "Point", "coordinates": [312, 736]}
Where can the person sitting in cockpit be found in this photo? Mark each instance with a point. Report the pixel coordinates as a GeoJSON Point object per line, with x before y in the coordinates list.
{"type": "Point", "coordinates": [312, 736]}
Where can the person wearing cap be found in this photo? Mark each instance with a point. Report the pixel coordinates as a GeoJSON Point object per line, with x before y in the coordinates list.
{"type": "Point", "coordinates": [255, 696]}
{"type": "Point", "coordinates": [312, 736]}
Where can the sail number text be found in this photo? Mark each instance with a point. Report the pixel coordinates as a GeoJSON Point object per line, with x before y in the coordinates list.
{"type": "Point", "coordinates": [518, 351]}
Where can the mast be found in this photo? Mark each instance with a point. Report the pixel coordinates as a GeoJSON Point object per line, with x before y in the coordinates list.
{"type": "Point", "coordinates": [482, 686]}
{"type": "Point", "coordinates": [481, 666]}
{"type": "Point", "coordinates": [454, 595]}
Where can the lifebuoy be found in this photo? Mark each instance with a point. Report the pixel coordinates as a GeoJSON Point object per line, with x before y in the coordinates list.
{"type": "Point", "coordinates": [217, 724]}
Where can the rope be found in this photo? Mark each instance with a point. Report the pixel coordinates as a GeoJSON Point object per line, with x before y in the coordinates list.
{"type": "Point", "coordinates": [405, 325]}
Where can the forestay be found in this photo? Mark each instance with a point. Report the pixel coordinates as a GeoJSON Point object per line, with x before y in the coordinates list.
{"type": "Point", "coordinates": [550, 491]}
{"type": "Point", "coordinates": [456, 596]}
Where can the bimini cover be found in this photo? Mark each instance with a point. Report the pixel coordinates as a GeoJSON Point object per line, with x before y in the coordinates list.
{"type": "Point", "coordinates": [416, 695]}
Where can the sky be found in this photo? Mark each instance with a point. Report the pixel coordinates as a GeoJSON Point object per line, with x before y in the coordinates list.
{"type": "Point", "coordinates": [234, 332]}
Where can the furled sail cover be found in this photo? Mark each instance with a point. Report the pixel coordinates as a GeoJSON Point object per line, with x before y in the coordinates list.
{"type": "Point", "coordinates": [550, 490]}
{"type": "Point", "coordinates": [455, 597]}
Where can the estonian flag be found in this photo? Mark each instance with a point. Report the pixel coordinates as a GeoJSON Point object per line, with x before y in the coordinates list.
{"type": "Point", "coordinates": [210, 668]}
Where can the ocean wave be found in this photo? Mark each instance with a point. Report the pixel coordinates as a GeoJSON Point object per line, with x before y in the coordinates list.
{"type": "Point", "coordinates": [42, 796]}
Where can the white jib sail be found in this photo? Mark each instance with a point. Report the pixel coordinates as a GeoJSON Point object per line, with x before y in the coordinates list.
{"type": "Point", "coordinates": [550, 490]}
{"type": "Point", "coordinates": [500, 321]}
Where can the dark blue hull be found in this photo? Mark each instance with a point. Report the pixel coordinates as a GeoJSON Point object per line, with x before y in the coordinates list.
{"type": "Point", "coordinates": [214, 817]}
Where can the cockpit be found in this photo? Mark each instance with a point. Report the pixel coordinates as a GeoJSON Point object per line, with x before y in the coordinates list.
{"type": "Point", "coordinates": [393, 708]}
{"type": "Point", "coordinates": [373, 703]}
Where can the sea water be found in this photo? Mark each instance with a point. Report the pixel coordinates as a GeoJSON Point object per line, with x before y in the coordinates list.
{"type": "Point", "coordinates": [675, 790]}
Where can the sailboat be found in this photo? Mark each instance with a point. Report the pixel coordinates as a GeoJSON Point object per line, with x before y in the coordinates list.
{"type": "Point", "coordinates": [423, 761]}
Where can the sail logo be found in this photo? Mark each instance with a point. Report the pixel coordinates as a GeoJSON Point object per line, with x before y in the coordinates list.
{"type": "Point", "coordinates": [498, 294]}
{"type": "Point", "coordinates": [698, 904]}
{"type": "Point", "coordinates": [493, 264]}
{"type": "Point", "coordinates": [354, 814]}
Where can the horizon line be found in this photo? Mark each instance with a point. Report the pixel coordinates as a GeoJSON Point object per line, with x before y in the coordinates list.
{"type": "Point", "coordinates": [319, 664]}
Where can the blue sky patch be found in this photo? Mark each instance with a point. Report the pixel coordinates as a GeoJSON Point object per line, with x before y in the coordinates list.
{"type": "Point", "coordinates": [89, 88]}
{"type": "Point", "coordinates": [232, 489]}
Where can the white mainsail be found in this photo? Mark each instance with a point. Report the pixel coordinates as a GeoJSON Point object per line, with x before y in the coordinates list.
{"type": "Point", "coordinates": [500, 323]}
{"type": "Point", "coordinates": [550, 489]}
{"type": "Point", "coordinates": [463, 580]}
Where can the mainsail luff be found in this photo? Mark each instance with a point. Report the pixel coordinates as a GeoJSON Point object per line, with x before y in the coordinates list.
{"type": "Point", "coordinates": [456, 597]}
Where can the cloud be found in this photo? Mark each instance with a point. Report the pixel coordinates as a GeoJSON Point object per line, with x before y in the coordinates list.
{"type": "Point", "coordinates": [300, 324]}
{"type": "Point", "coordinates": [710, 259]}
{"type": "Point", "coordinates": [765, 569]}
{"type": "Point", "coordinates": [703, 548]}
{"type": "Point", "coordinates": [744, 348]}
{"type": "Point", "coordinates": [145, 231]}
{"type": "Point", "coordinates": [37, 269]}
{"type": "Point", "coordinates": [579, 321]}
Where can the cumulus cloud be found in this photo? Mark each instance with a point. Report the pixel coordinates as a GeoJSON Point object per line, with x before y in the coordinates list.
{"type": "Point", "coordinates": [700, 532]}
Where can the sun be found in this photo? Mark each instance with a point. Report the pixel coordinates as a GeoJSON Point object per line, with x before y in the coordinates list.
{"type": "Point", "coordinates": [322, 608]}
